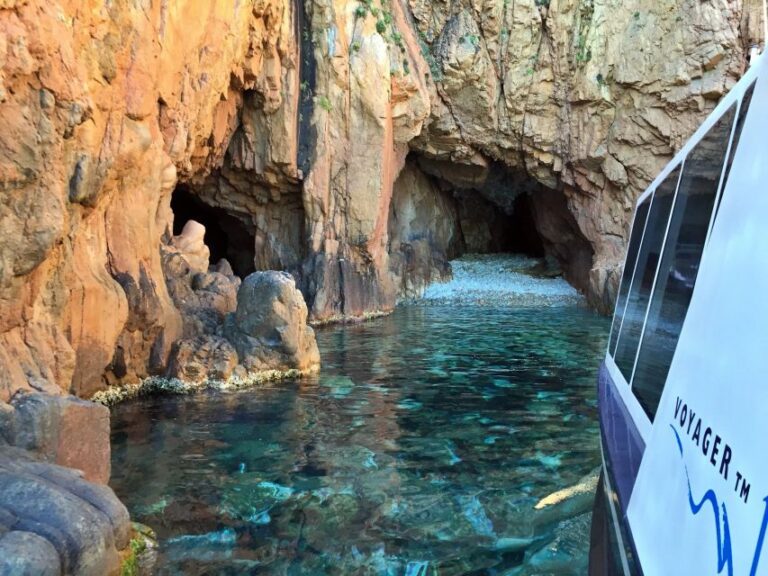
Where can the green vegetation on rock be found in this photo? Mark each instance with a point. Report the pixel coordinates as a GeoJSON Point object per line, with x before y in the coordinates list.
{"type": "Point", "coordinates": [384, 22]}
{"type": "Point", "coordinates": [131, 564]}
{"type": "Point", "coordinates": [324, 103]}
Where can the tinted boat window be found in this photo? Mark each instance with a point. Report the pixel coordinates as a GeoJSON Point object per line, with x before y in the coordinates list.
{"type": "Point", "coordinates": [645, 272]}
{"type": "Point", "coordinates": [680, 261]}
{"type": "Point", "coordinates": [745, 102]}
{"type": "Point", "coordinates": [635, 237]}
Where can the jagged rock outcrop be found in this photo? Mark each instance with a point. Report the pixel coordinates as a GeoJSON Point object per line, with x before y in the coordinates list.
{"type": "Point", "coordinates": [104, 107]}
{"type": "Point", "coordinates": [370, 99]}
{"type": "Point", "coordinates": [288, 125]}
{"type": "Point", "coordinates": [259, 332]}
{"type": "Point", "coordinates": [350, 143]}
{"type": "Point", "coordinates": [269, 327]}
{"type": "Point", "coordinates": [586, 98]}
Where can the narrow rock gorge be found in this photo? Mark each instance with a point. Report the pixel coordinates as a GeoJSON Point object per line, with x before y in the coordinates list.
{"type": "Point", "coordinates": [356, 145]}
{"type": "Point", "coordinates": [155, 155]}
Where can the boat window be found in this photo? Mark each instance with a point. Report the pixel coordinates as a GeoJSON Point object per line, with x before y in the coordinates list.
{"type": "Point", "coordinates": [635, 237]}
{"type": "Point", "coordinates": [645, 272]}
{"type": "Point", "coordinates": [745, 102]}
{"type": "Point", "coordinates": [680, 261]}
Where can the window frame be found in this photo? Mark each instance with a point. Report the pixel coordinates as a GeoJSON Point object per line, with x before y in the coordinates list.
{"type": "Point", "coordinates": [718, 189]}
{"type": "Point", "coordinates": [674, 167]}
{"type": "Point", "coordinates": [736, 95]}
{"type": "Point", "coordinates": [612, 349]}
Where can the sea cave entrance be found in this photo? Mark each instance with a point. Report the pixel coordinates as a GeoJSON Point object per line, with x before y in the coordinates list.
{"type": "Point", "coordinates": [498, 210]}
{"type": "Point", "coordinates": [226, 235]}
{"type": "Point", "coordinates": [488, 228]}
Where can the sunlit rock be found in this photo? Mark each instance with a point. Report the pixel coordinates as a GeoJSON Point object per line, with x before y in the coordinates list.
{"type": "Point", "coordinates": [191, 245]}
{"type": "Point", "coordinates": [63, 430]}
{"type": "Point", "coordinates": [269, 327]}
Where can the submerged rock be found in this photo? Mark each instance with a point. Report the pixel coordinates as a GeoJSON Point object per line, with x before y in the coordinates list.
{"type": "Point", "coordinates": [568, 502]}
{"type": "Point", "coordinates": [269, 328]}
{"type": "Point", "coordinates": [584, 489]}
{"type": "Point", "coordinates": [565, 553]}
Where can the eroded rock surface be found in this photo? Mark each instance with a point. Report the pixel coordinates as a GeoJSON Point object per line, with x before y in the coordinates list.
{"type": "Point", "coordinates": [588, 99]}
{"type": "Point", "coordinates": [269, 328]}
{"type": "Point", "coordinates": [424, 232]}
{"type": "Point", "coordinates": [104, 108]}
{"type": "Point", "coordinates": [60, 429]}
{"type": "Point", "coordinates": [233, 331]}
{"type": "Point", "coordinates": [356, 145]}
{"type": "Point", "coordinates": [53, 521]}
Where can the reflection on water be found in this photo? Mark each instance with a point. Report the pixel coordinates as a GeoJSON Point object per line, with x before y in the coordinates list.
{"type": "Point", "coordinates": [420, 449]}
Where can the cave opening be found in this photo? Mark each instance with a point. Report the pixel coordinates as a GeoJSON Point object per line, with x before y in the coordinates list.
{"type": "Point", "coordinates": [522, 236]}
{"type": "Point", "coordinates": [488, 228]}
{"type": "Point", "coordinates": [499, 210]}
{"type": "Point", "coordinates": [226, 235]}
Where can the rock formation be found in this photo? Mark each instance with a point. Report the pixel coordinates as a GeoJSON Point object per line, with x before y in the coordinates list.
{"type": "Point", "coordinates": [60, 429]}
{"type": "Point", "coordinates": [104, 108]}
{"type": "Point", "coordinates": [357, 145]}
{"type": "Point", "coordinates": [583, 101]}
{"type": "Point", "coordinates": [269, 328]}
{"type": "Point", "coordinates": [262, 333]}
{"type": "Point", "coordinates": [154, 154]}
{"type": "Point", "coordinates": [56, 519]}
{"type": "Point", "coordinates": [53, 522]}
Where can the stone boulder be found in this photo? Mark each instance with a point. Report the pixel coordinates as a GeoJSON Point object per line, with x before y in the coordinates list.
{"type": "Point", "coordinates": [53, 521]}
{"type": "Point", "coordinates": [60, 429]}
{"type": "Point", "coordinates": [203, 298]}
{"type": "Point", "coordinates": [27, 554]}
{"type": "Point", "coordinates": [269, 328]}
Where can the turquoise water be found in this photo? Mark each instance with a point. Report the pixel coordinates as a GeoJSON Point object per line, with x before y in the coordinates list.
{"type": "Point", "coordinates": [421, 449]}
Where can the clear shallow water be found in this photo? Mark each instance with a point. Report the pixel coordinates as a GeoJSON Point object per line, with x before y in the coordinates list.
{"type": "Point", "coordinates": [420, 449]}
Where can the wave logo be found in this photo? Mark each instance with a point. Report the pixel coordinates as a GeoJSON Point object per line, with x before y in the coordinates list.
{"type": "Point", "coordinates": [722, 528]}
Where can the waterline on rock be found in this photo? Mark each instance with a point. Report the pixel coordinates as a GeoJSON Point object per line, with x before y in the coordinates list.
{"type": "Point", "coordinates": [157, 385]}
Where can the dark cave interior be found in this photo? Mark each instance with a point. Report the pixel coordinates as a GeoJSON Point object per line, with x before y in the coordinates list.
{"type": "Point", "coordinates": [488, 228]}
{"type": "Point", "coordinates": [520, 233]}
{"type": "Point", "coordinates": [225, 235]}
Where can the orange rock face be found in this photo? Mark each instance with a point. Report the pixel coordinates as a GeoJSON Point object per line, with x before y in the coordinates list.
{"type": "Point", "coordinates": [291, 122]}
{"type": "Point", "coordinates": [103, 106]}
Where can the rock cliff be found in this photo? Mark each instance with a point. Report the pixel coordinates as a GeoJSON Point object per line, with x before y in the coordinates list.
{"type": "Point", "coordinates": [582, 102]}
{"type": "Point", "coordinates": [357, 145]}
{"type": "Point", "coordinates": [104, 108]}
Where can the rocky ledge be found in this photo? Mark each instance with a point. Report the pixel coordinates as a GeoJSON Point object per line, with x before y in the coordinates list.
{"type": "Point", "coordinates": [265, 337]}
{"type": "Point", "coordinates": [57, 516]}
{"type": "Point", "coordinates": [55, 519]}
{"type": "Point", "coordinates": [235, 333]}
